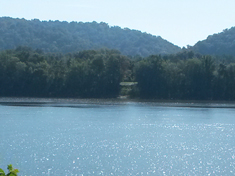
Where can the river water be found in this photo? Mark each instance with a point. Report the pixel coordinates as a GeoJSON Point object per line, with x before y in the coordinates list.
{"type": "Point", "coordinates": [94, 137]}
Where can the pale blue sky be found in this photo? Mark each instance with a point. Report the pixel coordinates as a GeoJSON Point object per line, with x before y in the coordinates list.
{"type": "Point", "coordinates": [182, 22]}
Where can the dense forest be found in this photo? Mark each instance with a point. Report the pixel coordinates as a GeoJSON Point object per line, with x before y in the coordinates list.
{"type": "Point", "coordinates": [218, 44]}
{"type": "Point", "coordinates": [186, 76]}
{"type": "Point", "coordinates": [90, 60]}
{"type": "Point", "coordinates": [25, 72]}
{"type": "Point", "coordinates": [64, 37]}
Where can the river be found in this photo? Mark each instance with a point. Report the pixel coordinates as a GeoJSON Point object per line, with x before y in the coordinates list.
{"type": "Point", "coordinates": [117, 137]}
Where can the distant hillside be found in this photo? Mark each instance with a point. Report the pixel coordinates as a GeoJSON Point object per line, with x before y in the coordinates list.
{"type": "Point", "coordinates": [218, 44]}
{"type": "Point", "coordinates": [56, 36]}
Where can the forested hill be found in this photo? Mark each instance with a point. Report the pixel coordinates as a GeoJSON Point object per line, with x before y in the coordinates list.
{"type": "Point", "coordinates": [56, 36]}
{"type": "Point", "coordinates": [218, 44]}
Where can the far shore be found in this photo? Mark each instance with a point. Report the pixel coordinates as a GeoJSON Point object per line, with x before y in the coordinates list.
{"type": "Point", "coordinates": [65, 102]}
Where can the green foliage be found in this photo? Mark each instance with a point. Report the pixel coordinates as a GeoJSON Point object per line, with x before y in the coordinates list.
{"type": "Point", "coordinates": [150, 77]}
{"type": "Point", "coordinates": [12, 172]}
{"type": "Point", "coordinates": [181, 77]}
{"type": "Point", "coordinates": [2, 172]}
{"type": "Point", "coordinates": [93, 73]}
{"type": "Point", "coordinates": [218, 44]}
{"type": "Point", "coordinates": [98, 73]}
{"type": "Point", "coordinates": [56, 36]}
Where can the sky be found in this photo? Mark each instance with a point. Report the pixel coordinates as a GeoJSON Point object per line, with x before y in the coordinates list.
{"type": "Point", "coordinates": [181, 22]}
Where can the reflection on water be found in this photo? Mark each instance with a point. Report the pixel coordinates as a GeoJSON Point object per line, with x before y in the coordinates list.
{"type": "Point", "coordinates": [98, 137]}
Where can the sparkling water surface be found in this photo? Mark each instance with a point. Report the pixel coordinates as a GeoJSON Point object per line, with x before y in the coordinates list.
{"type": "Point", "coordinates": [58, 137]}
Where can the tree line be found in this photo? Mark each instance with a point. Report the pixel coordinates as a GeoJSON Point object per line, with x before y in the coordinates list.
{"type": "Point", "coordinates": [32, 73]}
{"type": "Point", "coordinates": [25, 72]}
{"type": "Point", "coordinates": [187, 78]}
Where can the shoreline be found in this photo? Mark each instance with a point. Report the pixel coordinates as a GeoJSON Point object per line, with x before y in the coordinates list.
{"type": "Point", "coordinates": [73, 102]}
